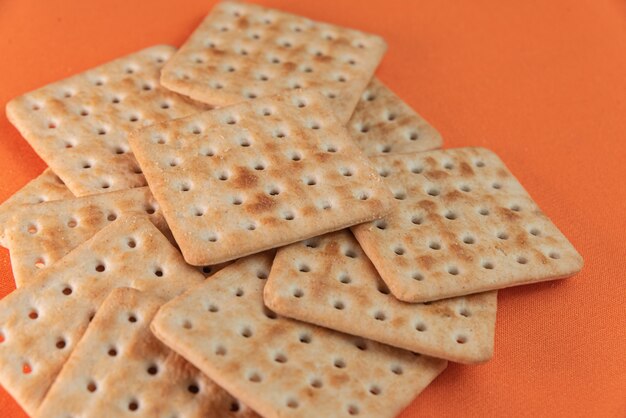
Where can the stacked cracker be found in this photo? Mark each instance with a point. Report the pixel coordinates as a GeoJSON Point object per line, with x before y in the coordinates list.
{"type": "Point", "coordinates": [355, 257]}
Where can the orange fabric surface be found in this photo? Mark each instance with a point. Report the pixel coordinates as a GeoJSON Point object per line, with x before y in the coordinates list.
{"type": "Point", "coordinates": [542, 83]}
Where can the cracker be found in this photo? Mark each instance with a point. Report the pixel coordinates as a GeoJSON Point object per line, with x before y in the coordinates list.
{"type": "Point", "coordinates": [119, 368]}
{"type": "Point", "coordinates": [79, 125]}
{"type": "Point", "coordinates": [330, 282]}
{"type": "Point", "coordinates": [46, 187]}
{"type": "Point", "coordinates": [243, 51]}
{"type": "Point", "coordinates": [281, 367]}
{"type": "Point", "coordinates": [463, 224]}
{"type": "Point", "coordinates": [41, 322]}
{"type": "Point", "coordinates": [257, 175]}
{"type": "Point", "coordinates": [382, 123]}
{"type": "Point", "coordinates": [39, 235]}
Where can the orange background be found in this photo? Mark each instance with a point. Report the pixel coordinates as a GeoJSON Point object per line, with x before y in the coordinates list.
{"type": "Point", "coordinates": [542, 83]}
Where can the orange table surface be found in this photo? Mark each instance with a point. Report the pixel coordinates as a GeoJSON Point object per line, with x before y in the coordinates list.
{"type": "Point", "coordinates": [542, 83]}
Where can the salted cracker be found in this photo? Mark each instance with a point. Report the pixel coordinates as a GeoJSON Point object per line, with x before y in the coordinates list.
{"type": "Point", "coordinates": [281, 367]}
{"type": "Point", "coordinates": [241, 179]}
{"type": "Point", "coordinates": [45, 187]}
{"type": "Point", "coordinates": [119, 368]}
{"type": "Point", "coordinates": [79, 125]}
{"type": "Point", "coordinates": [39, 235]}
{"type": "Point", "coordinates": [244, 51]}
{"type": "Point", "coordinates": [41, 322]}
{"type": "Point", "coordinates": [382, 123]}
{"type": "Point", "coordinates": [330, 282]}
{"type": "Point", "coordinates": [463, 224]}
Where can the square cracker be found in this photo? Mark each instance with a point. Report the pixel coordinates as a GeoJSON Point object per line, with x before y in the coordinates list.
{"type": "Point", "coordinates": [382, 123]}
{"type": "Point", "coordinates": [329, 281]}
{"type": "Point", "coordinates": [39, 235]}
{"type": "Point", "coordinates": [79, 125]}
{"type": "Point", "coordinates": [41, 322]}
{"type": "Point", "coordinates": [119, 368]}
{"type": "Point", "coordinates": [46, 187]}
{"type": "Point", "coordinates": [243, 51]}
{"type": "Point", "coordinates": [281, 367]}
{"type": "Point", "coordinates": [463, 224]}
{"type": "Point", "coordinates": [260, 174]}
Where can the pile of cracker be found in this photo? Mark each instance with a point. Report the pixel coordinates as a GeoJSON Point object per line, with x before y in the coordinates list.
{"type": "Point", "coordinates": [253, 225]}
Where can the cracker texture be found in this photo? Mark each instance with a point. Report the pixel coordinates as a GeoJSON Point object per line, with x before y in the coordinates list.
{"type": "Point", "coordinates": [79, 125]}
{"type": "Point", "coordinates": [329, 281]}
{"type": "Point", "coordinates": [257, 175]}
{"type": "Point", "coordinates": [282, 367]}
{"type": "Point", "coordinates": [382, 123]}
{"type": "Point", "coordinates": [119, 368]}
{"type": "Point", "coordinates": [243, 51]}
{"type": "Point", "coordinates": [45, 187]}
{"type": "Point", "coordinates": [463, 224]}
{"type": "Point", "coordinates": [39, 235]}
{"type": "Point", "coordinates": [41, 322]}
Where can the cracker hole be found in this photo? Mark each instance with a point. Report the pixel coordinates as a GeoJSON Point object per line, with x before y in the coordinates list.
{"type": "Point", "coordinates": [234, 406]}
{"type": "Point", "coordinates": [67, 291]}
{"type": "Point", "coordinates": [416, 220]}
{"type": "Point", "coordinates": [132, 318]}
{"type": "Point", "coordinates": [100, 268]}
{"type": "Point", "coordinates": [298, 293]}
{"type": "Point", "coordinates": [152, 370]}
{"type": "Point", "coordinates": [413, 136]}
{"type": "Point", "coordinates": [375, 390]}
{"type": "Point", "coordinates": [433, 191]}
{"type": "Point", "coordinates": [496, 185]}
{"type": "Point", "coordinates": [292, 403]}
{"type": "Point", "coordinates": [420, 327]}
{"type": "Point", "coordinates": [397, 369]}
{"type": "Point", "coordinates": [60, 344]}
{"type": "Point", "coordinates": [280, 358]}
{"type": "Point", "coordinates": [339, 305]}
{"type": "Point", "coordinates": [40, 263]}
{"type": "Point", "coordinates": [465, 188]}
{"type": "Point", "coordinates": [399, 195]}
{"type": "Point", "coordinates": [380, 316]}
{"type": "Point", "coordinates": [503, 235]}
{"type": "Point", "coordinates": [339, 363]}
{"type": "Point", "coordinates": [158, 272]}
{"type": "Point", "coordinates": [246, 332]}
{"type": "Point", "coordinates": [353, 410]}
{"type": "Point", "coordinates": [261, 275]}
{"type": "Point", "coordinates": [483, 211]}
{"type": "Point", "coordinates": [220, 350]}
{"type": "Point", "coordinates": [534, 231]}
{"type": "Point", "coordinates": [479, 164]}
{"type": "Point", "coordinates": [451, 216]}
{"type": "Point", "coordinates": [453, 270]}
{"type": "Point", "coordinates": [32, 229]}
{"type": "Point", "coordinates": [380, 224]}
{"type": "Point", "coordinates": [72, 223]}
{"type": "Point", "coordinates": [487, 265]}
{"type": "Point", "coordinates": [522, 260]}
{"type": "Point", "coordinates": [350, 253]}
{"type": "Point", "coordinates": [150, 210]}
{"type": "Point", "coordinates": [92, 387]}
{"type": "Point", "coordinates": [111, 217]}
{"type": "Point", "coordinates": [382, 288]}
{"type": "Point", "coordinates": [417, 276]}
{"type": "Point", "coordinates": [554, 255]}
{"type": "Point", "coordinates": [303, 268]}
{"type": "Point", "coordinates": [363, 195]}
{"type": "Point", "coordinates": [316, 383]}
{"type": "Point", "coordinates": [515, 208]}
{"type": "Point", "coordinates": [112, 352]}
{"type": "Point", "coordinates": [461, 339]}
{"type": "Point", "coordinates": [433, 245]}
{"type": "Point", "coordinates": [187, 325]}
{"type": "Point", "coordinates": [255, 377]}
{"type": "Point", "coordinates": [305, 338]}
{"type": "Point", "coordinates": [464, 312]}
{"type": "Point", "coordinates": [133, 405]}
{"type": "Point", "coordinates": [399, 251]}
{"type": "Point", "coordinates": [33, 314]}
{"type": "Point", "coordinates": [344, 278]}
{"type": "Point", "coordinates": [193, 389]}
